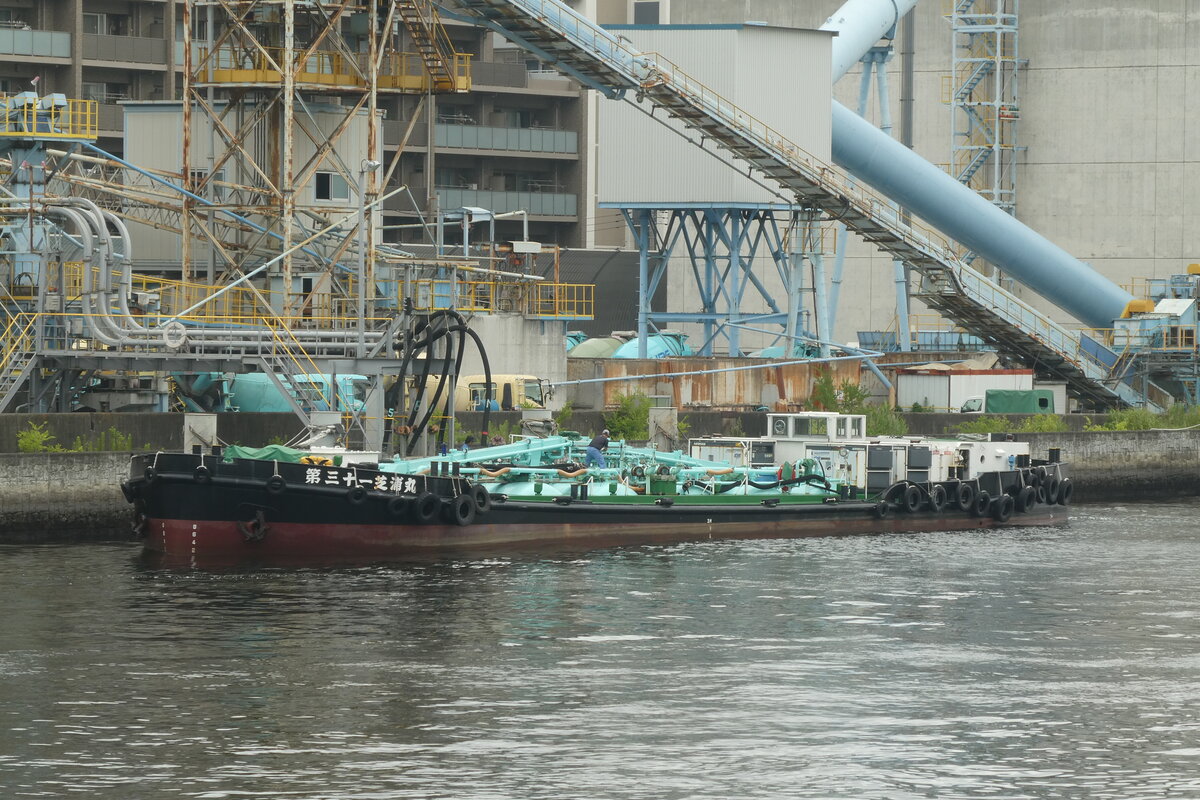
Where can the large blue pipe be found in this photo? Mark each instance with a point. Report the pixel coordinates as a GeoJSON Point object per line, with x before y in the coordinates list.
{"type": "Point", "coordinates": [942, 202]}
{"type": "Point", "coordinates": [960, 213]}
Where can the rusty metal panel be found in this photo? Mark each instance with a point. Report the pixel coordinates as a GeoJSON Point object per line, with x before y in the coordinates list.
{"type": "Point", "coordinates": [707, 387]}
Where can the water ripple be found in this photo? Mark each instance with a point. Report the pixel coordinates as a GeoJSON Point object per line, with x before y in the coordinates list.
{"type": "Point", "coordinates": [1055, 663]}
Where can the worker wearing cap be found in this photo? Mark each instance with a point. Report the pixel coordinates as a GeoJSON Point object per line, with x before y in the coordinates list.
{"type": "Point", "coordinates": [595, 450]}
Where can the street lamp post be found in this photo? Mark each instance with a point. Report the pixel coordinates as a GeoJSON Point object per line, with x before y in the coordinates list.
{"type": "Point", "coordinates": [368, 166]}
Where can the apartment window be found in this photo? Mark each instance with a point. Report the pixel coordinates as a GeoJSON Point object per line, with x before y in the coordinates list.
{"type": "Point", "coordinates": [456, 178]}
{"type": "Point", "coordinates": [332, 186]}
{"type": "Point", "coordinates": [10, 19]}
{"type": "Point", "coordinates": [105, 92]}
{"type": "Point", "coordinates": [105, 24]}
{"type": "Point", "coordinates": [199, 30]}
{"type": "Point", "coordinates": [645, 13]}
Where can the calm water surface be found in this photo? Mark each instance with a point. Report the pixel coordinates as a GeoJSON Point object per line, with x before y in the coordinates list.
{"type": "Point", "coordinates": [1039, 664]}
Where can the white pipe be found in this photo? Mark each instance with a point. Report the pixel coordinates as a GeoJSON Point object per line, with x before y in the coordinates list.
{"type": "Point", "coordinates": [859, 25]}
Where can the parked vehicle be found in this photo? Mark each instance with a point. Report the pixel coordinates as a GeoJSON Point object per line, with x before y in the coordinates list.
{"type": "Point", "coordinates": [1011, 401]}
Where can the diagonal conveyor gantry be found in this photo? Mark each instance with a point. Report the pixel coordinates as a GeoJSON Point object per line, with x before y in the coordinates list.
{"type": "Point", "coordinates": [578, 47]}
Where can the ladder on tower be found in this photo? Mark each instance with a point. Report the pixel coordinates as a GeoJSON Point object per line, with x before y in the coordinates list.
{"type": "Point", "coordinates": [597, 58]}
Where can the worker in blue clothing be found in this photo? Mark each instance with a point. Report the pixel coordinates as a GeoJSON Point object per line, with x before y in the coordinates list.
{"type": "Point", "coordinates": [595, 451]}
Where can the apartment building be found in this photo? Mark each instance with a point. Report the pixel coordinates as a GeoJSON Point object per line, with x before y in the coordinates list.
{"type": "Point", "coordinates": [516, 142]}
{"type": "Point", "coordinates": [103, 50]}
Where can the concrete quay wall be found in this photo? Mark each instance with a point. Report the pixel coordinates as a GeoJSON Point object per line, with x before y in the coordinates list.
{"type": "Point", "coordinates": [1126, 465]}
{"type": "Point", "coordinates": [63, 497]}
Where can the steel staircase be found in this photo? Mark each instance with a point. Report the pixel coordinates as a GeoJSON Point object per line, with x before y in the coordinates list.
{"type": "Point", "coordinates": [18, 356]}
{"type": "Point", "coordinates": [978, 160]}
{"type": "Point", "coordinates": [284, 367]}
{"type": "Point", "coordinates": [435, 50]}
{"type": "Point", "coordinates": [596, 57]}
{"type": "Point", "coordinates": [982, 70]}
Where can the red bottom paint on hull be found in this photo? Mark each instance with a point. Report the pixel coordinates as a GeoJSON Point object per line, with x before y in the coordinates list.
{"type": "Point", "coordinates": [288, 540]}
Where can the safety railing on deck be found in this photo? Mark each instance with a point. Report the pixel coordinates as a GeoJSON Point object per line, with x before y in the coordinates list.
{"type": "Point", "coordinates": [47, 118]}
{"type": "Point", "coordinates": [398, 70]}
{"type": "Point", "coordinates": [543, 300]}
{"type": "Point", "coordinates": [17, 335]}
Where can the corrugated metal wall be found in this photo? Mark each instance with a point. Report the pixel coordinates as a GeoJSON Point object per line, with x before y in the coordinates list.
{"type": "Point", "coordinates": [778, 388]}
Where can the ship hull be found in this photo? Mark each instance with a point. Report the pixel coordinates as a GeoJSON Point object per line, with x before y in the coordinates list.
{"type": "Point", "coordinates": [278, 511]}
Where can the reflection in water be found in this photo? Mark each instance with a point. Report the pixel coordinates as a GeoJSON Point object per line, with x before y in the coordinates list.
{"type": "Point", "coordinates": [1052, 663]}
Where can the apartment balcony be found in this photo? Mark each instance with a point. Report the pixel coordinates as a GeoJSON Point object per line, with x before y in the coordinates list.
{"type": "Point", "coordinates": [111, 117]}
{"type": "Point", "coordinates": [126, 49]}
{"type": "Point", "coordinates": [524, 140]}
{"type": "Point", "coordinates": [502, 141]}
{"type": "Point", "coordinates": [35, 44]}
{"type": "Point", "coordinates": [559, 205]}
{"type": "Point", "coordinates": [486, 74]}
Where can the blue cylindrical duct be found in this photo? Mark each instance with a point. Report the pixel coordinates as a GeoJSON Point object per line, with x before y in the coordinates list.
{"type": "Point", "coordinates": [962, 214]}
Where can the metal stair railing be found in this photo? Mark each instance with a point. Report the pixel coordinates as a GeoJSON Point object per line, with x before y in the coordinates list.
{"type": "Point", "coordinates": [978, 160]}
{"type": "Point", "coordinates": [999, 317]}
{"type": "Point", "coordinates": [284, 362]}
{"type": "Point", "coordinates": [435, 50]}
{"type": "Point", "coordinates": [595, 56]}
{"type": "Point", "coordinates": [980, 72]}
{"type": "Point", "coordinates": [18, 355]}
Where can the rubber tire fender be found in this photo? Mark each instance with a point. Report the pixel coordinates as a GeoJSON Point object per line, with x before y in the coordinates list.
{"type": "Point", "coordinates": [911, 499]}
{"type": "Point", "coordinates": [983, 503]}
{"type": "Point", "coordinates": [425, 508]}
{"type": "Point", "coordinates": [201, 474]}
{"type": "Point", "coordinates": [1052, 487]}
{"type": "Point", "coordinates": [964, 497]}
{"type": "Point", "coordinates": [937, 498]}
{"type": "Point", "coordinates": [482, 498]}
{"type": "Point", "coordinates": [1002, 508]}
{"type": "Point", "coordinates": [1041, 493]}
{"type": "Point", "coordinates": [397, 506]}
{"type": "Point", "coordinates": [1065, 490]}
{"type": "Point", "coordinates": [1025, 499]}
{"type": "Point", "coordinates": [461, 510]}
{"type": "Point", "coordinates": [356, 495]}
{"type": "Point", "coordinates": [275, 484]}
{"type": "Point", "coordinates": [881, 509]}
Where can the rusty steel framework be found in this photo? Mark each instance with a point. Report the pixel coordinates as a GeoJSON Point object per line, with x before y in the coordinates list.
{"type": "Point", "coordinates": [282, 126]}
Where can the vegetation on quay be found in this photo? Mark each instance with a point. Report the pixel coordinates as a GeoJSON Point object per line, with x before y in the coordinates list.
{"type": "Point", "coordinates": [1139, 419]}
{"type": "Point", "coordinates": [1178, 417]}
{"type": "Point", "coordinates": [851, 398]}
{"type": "Point", "coordinates": [36, 439]}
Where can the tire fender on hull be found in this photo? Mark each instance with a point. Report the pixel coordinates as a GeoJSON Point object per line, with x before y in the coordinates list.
{"type": "Point", "coordinates": [461, 510]}
{"type": "Point", "coordinates": [982, 505]}
{"type": "Point", "coordinates": [1002, 508]}
{"type": "Point", "coordinates": [964, 497]}
{"type": "Point", "coordinates": [425, 508]}
{"type": "Point", "coordinates": [937, 498]}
